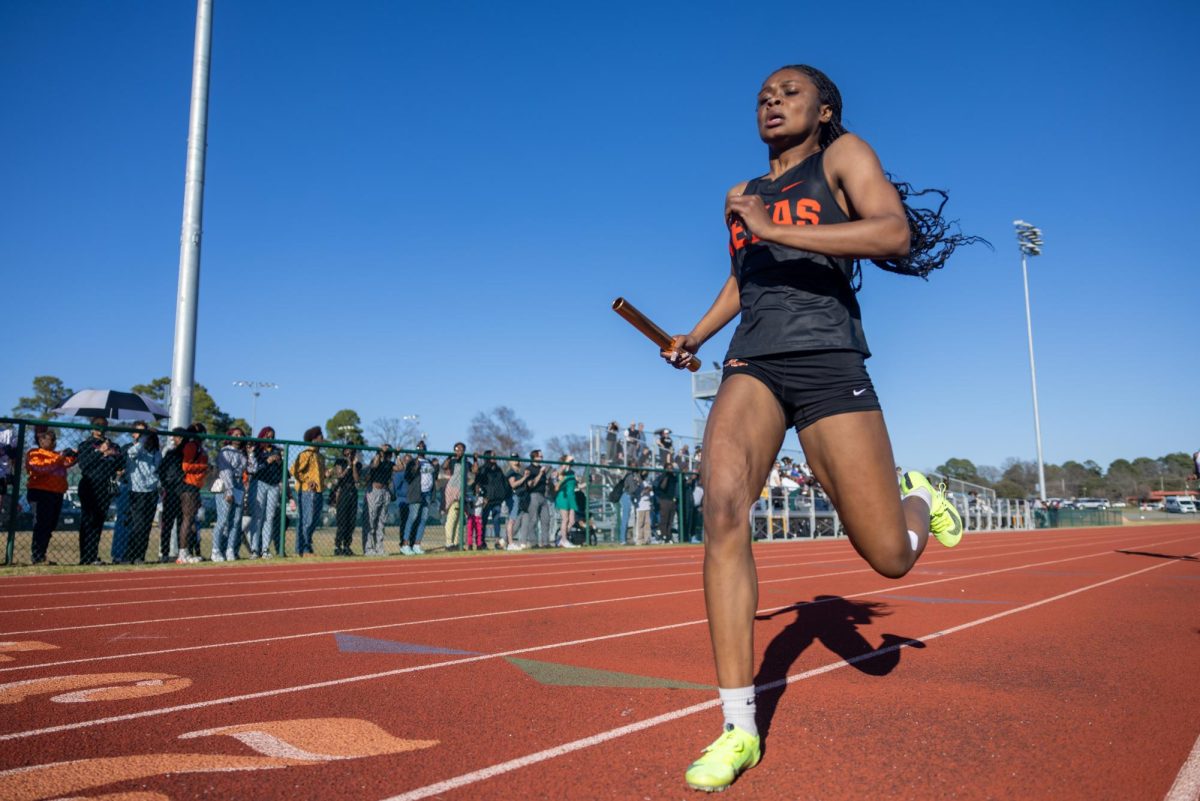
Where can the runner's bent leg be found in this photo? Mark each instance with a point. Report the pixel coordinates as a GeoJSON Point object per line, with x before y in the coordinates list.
{"type": "Point", "coordinates": [851, 456]}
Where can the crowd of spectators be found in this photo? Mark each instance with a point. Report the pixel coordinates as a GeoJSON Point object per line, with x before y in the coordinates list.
{"type": "Point", "coordinates": [483, 501]}
{"type": "Point", "coordinates": [143, 480]}
{"type": "Point", "coordinates": [633, 447]}
{"type": "Point", "coordinates": [510, 503]}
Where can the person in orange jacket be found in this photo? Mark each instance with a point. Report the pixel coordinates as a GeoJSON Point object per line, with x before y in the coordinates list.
{"type": "Point", "coordinates": [195, 469]}
{"type": "Point", "coordinates": [47, 470]}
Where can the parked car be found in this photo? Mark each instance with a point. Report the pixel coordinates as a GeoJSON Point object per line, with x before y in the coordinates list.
{"type": "Point", "coordinates": [1091, 503]}
{"type": "Point", "coordinates": [1179, 504]}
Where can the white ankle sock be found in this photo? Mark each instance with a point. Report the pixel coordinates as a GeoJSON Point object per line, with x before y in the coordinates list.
{"type": "Point", "coordinates": [923, 494]}
{"type": "Point", "coordinates": [738, 705]}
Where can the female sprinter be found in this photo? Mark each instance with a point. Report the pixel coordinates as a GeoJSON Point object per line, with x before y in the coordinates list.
{"type": "Point", "coordinates": [796, 360]}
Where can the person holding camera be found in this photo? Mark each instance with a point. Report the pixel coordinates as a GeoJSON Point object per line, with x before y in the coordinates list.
{"type": "Point", "coordinates": [99, 462]}
{"type": "Point", "coordinates": [141, 465]}
{"type": "Point", "coordinates": [565, 502]}
{"type": "Point", "coordinates": [538, 518]}
{"type": "Point", "coordinates": [421, 476]}
{"type": "Point", "coordinates": [629, 490]}
{"type": "Point", "coordinates": [229, 492]}
{"type": "Point", "coordinates": [665, 493]}
{"type": "Point", "coordinates": [344, 498]}
{"type": "Point", "coordinates": [378, 478]}
{"type": "Point", "coordinates": [611, 449]}
{"type": "Point", "coordinates": [666, 446]}
{"type": "Point", "coordinates": [518, 509]}
{"type": "Point", "coordinates": [491, 485]}
{"type": "Point", "coordinates": [265, 466]}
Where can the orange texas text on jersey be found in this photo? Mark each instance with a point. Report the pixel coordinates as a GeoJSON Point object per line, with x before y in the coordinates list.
{"type": "Point", "coordinates": [804, 211]}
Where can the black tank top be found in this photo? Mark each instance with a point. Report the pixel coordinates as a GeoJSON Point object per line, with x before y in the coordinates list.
{"type": "Point", "coordinates": [793, 299]}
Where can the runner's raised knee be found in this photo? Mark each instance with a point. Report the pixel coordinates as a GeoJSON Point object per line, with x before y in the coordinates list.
{"type": "Point", "coordinates": [892, 561]}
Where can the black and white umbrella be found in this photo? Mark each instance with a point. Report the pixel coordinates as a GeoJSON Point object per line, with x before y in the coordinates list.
{"type": "Point", "coordinates": [112, 404]}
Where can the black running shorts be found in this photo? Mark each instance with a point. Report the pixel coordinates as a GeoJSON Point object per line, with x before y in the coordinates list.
{"type": "Point", "coordinates": [811, 385]}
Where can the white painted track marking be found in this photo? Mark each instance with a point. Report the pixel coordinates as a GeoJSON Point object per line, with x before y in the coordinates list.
{"type": "Point", "coordinates": [390, 585]}
{"type": "Point", "coordinates": [286, 574]}
{"type": "Point", "coordinates": [498, 613]}
{"type": "Point", "coordinates": [296, 573]}
{"type": "Point", "coordinates": [490, 614]}
{"type": "Point", "coordinates": [460, 594]}
{"type": "Point", "coordinates": [617, 635]}
{"type": "Point", "coordinates": [1187, 783]}
{"type": "Point", "coordinates": [476, 776]}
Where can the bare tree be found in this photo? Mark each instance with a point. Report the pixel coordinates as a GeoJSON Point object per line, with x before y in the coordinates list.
{"type": "Point", "coordinates": [395, 431]}
{"type": "Point", "coordinates": [501, 430]}
{"type": "Point", "coordinates": [574, 444]}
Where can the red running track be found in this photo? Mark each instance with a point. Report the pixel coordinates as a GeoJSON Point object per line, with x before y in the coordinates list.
{"type": "Point", "coordinates": [1049, 664]}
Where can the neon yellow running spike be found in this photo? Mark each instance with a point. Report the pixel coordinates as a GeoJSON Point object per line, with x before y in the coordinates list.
{"type": "Point", "coordinates": [733, 752]}
{"type": "Point", "coordinates": [944, 520]}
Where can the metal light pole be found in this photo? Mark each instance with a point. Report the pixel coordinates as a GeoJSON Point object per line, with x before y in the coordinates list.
{"type": "Point", "coordinates": [1029, 240]}
{"type": "Point", "coordinates": [350, 433]}
{"type": "Point", "coordinates": [256, 388]}
{"type": "Point", "coordinates": [183, 359]}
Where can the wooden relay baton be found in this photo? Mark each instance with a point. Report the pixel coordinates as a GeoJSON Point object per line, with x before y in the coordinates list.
{"type": "Point", "coordinates": [643, 323]}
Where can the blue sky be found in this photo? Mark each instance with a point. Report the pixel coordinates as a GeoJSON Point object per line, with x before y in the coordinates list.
{"type": "Point", "coordinates": [428, 208]}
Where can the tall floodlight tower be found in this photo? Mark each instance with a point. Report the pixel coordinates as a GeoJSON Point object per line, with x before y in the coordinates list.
{"type": "Point", "coordinates": [183, 359]}
{"type": "Point", "coordinates": [1029, 240]}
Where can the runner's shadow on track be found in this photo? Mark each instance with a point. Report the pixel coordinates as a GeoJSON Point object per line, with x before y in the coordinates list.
{"type": "Point", "coordinates": [1159, 555]}
{"type": "Point", "coordinates": [833, 621]}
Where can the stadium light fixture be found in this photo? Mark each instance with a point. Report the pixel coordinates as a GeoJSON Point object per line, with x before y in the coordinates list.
{"type": "Point", "coordinates": [256, 388]}
{"type": "Point", "coordinates": [1029, 240]}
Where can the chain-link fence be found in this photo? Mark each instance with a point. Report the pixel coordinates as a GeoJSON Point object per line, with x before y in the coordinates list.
{"type": "Point", "coordinates": [1055, 517]}
{"type": "Point", "coordinates": [79, 493]}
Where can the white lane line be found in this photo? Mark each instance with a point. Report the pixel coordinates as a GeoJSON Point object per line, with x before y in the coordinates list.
{"type": "Point", "coordinates": [579, 603]}
{"type": "Point", "coordinates": [528, 649]}
{"type": "Point", "coordinates": [390, 585]}
{"type": "Point", "coordinates": [1187, 783]}
{"type": "Point", "coordinates": [477, 776]}
{"type": "Point", "coordinates": [590, 569]}
{"type": "Point", "coordinates": [233, 575]}
{"type": "Point", "coordinates": [460, 594]}
{"type": "Point", "coordinates": [375, 602]}
{"type": "Point", "coordinates": [603, 567]}
{"type": "Point", "coordinates": [494, 613]}
{"type": "Point", "coordinates": [594, 565]}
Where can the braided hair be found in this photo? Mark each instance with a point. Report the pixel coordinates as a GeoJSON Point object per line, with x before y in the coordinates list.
{"type": "Point", "coordinates": [931, 238]}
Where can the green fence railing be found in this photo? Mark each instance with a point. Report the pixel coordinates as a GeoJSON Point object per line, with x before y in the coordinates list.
{"type": "Point", "coordinates": [100, 519]}
{"type": "Point", "coordinates": [1077, 518]}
